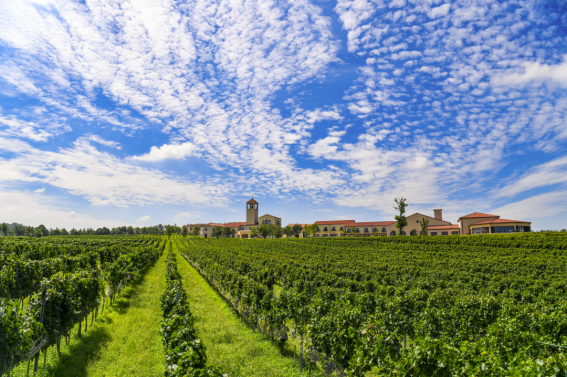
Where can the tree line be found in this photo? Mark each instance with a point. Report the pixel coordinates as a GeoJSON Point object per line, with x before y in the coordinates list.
{"type": "Point", "coordinates": [20, 230]}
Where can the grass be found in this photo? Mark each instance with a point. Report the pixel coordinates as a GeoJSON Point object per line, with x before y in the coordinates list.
{"type": "Point", "coordinates": [124, 339]}
{"type": "Point", "coordinates": [230, 343]}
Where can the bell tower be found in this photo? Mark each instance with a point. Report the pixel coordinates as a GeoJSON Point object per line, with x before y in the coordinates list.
{"type": "Point", "coordinates": [251, 212]}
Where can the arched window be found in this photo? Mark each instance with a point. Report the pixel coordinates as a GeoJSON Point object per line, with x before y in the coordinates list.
{"type": "Point", "coordinates": [403, 233]}
{"type": "Point", "coordinates": [383, 229]}
{"type": "Point", "coordinates": [393, 233]}
{"type": "Point", "coordinates": [324, 229]}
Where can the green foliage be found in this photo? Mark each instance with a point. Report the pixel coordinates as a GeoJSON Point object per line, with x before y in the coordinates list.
{"type": "Point", "coordinates": [288, 231]}
{"type": "Point", "coordinates": [424, 223]}
{"type": "Point", "coordinates": [413, 306]}
{"type": "Point", "coordinates": [401, 220]}
{"type": "Point", "coordinates": [65, 278]}
{"type": "Point", "coordinates": [297, 230]}
{"type": "Point", "coordinates": [217, 231]}
{"type": "Point", "coordinates": [185, 355]}
{"type": "Point", "coordinates": [264, 231]}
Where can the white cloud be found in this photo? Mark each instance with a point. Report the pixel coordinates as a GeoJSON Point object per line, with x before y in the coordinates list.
{"type": "Point", "coordinates": [543, 175]}
{"type": "Point", "coordinates": [166, 151]}
{"type": "Point", "coordinates": [441, 11]}
{"type": "Point", "coordinates": [41, 190]}
{"type": "Point", "coordinates": [29, 209]}
{"type": "Point", "coordinates": [535, 72]}
{"type": "Point", "coordinates": [535, 207]}
{"type": "Point", "coordinates": [397, 3]}
{"type": "Point", "coordinates": [144, 219]}
{"type": "Point", "coordinates": [98, 139]}
{"type": "Point", "coordinates": [185, 217]}
{"type": "Point", "coordinates": [103, 179]}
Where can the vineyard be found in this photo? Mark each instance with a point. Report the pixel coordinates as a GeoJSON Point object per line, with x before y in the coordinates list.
{"type": "Point", "coordinates": [63, 281]}
{"type": "Point", "coordinates": [402, 306]}
{"type": "Point", "coordinates": [488, 305]}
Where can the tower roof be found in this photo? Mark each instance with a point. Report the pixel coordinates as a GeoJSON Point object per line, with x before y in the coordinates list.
{"type": "Point", "coordinates": [252, 201]}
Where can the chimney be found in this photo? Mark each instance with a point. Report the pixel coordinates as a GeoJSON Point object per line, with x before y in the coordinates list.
{"type": "Point", "coordinates": [437, 214]}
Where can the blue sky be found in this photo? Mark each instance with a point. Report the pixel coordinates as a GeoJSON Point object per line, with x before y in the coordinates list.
{"type": "Point", "coordinates": [142, 112]}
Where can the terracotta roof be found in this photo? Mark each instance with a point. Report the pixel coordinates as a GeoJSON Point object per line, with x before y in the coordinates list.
{"type": "Point", "coordinates": [429, 217]}
{"type": "Point", "coordinates": [500, 221]}
{"type": "Point", "coordinates": [334, 222]}
{"type": "Point", "coordinates": [302, 225]}
{"type": "Point", "coordinates": [372, 223]}
{"type": "Point", "coordinates": [252, 201]}
{"type": "Point", "coordinates": [234, 224]}
{"type": "Point", "coordinates": [270, 215]}
{"type": "Point", "coordinates": [477, 215]}
{"type": "Point", "coordinates": [211, 224]}
{"type": "Point", "coordinates": [452, 226]}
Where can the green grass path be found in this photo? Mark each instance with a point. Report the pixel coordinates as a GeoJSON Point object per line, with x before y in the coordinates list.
{"type": "Point", "coordinates": [123, 341]}
{"type": "Point", "coordinates": [230, 343]}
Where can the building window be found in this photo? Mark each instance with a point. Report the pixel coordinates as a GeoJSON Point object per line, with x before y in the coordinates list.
{"type": "Point", "coordinates": [502, 229]}
{"type": "Point", "coordinates": [205, 229]}
{"type": "Point", "coordinates": [356, 230]}
{"type": "Point", "coordinates": [480, 230]}
{"type": "Point", "coordinates": [383, 229]}
{"type": "Point", "coordinates": [333, 229]}
{"type": "Point", "coordinates": [365, 230]}
{"type": "Point", "coordinates": [324, 235]}
{"type": "Point", "coordinates": [417, 221]}
{"type": "Point", "coordinates": [444, 233]}
{"type": "Point", "coordinates": [421, 233]}
{"type": "Point", "coordinates": [403, 232]}
{"type": "Point", "coordinates": [455, 232]}
{"type": "Point", "coordinates": [333, 235]}
{"type": "Point", "coordinates": [433, 233]}
{"type": "Point", "coordinates": [393, 233]}
{"type": "Point", "coordinates": [374, 230]}
{"type": "Point", "coordinates": [324, 229]}
{"type": "Point", "coordinates": [341, 228]}
{"type": "Point", "coordinates": [348, 230]}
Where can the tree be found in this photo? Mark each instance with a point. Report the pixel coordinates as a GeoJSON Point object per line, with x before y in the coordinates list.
{"type": "Point", "coordinates": [344, 232]}
{"type": "Point", "coordinates": [228, 232]}
{"type": "Point", "coordinates": [264, 231]}
{"type": "Point", "coordinates": [37, 233]}
{"type": "Point", "coordinates": [5, 229]}
{"type": "Point", "coordinates": [424, 224]}
{"type": "Point", "coordinates": [253, 232]}
{"type": "Point", "coordinates": [288, 231]}
{"type": "Point", "coordinates": [401, 220]}
{"type": "Point", "coordinates": [312, 229]}
{"type": "Point", "coordinates": [64, 232]}
{"type": "Point", "coordinates": [297, 229]}
{"type": "Point", "coordinates": [57, 232]}
{"type": "Point", "coordinates": [272, 228]}
{"type": "Point", "coordinates": [184, 232]}
{"type": "Point", "coordinates": [217, 231]}
{"type": "Point", "coordinates": [413, 232]}
{"type": "Point", "coordinates": [278, 232]}
{"type": "Point", "coordinates": [196, 230]}
{"type": "Point", "coordinates": [43, 230]}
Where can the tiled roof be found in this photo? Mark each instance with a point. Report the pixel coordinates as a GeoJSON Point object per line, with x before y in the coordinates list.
{"type": "Point", "coordinates": [334, 222]}
{"type": "Point", "coordinates": [373, 223]}
{"type": "Point", "coordinates": [234, 224]}
{"type": "Point", "coordinates": [252, 201]}
{"type": "Point", "coordinates": [429, 217]}
{"type": "Point", "coordinates": [302, 225]}
{"type": "Point", "coordinates": [435, 227]}
{"type": "Point", "coordinates": [477, 215]}
{"type": "Point", "coordinates": [500, 221]}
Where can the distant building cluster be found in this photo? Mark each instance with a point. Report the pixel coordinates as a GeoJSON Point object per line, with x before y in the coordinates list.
{"type": "Point", "coordinates": [474, 223]}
